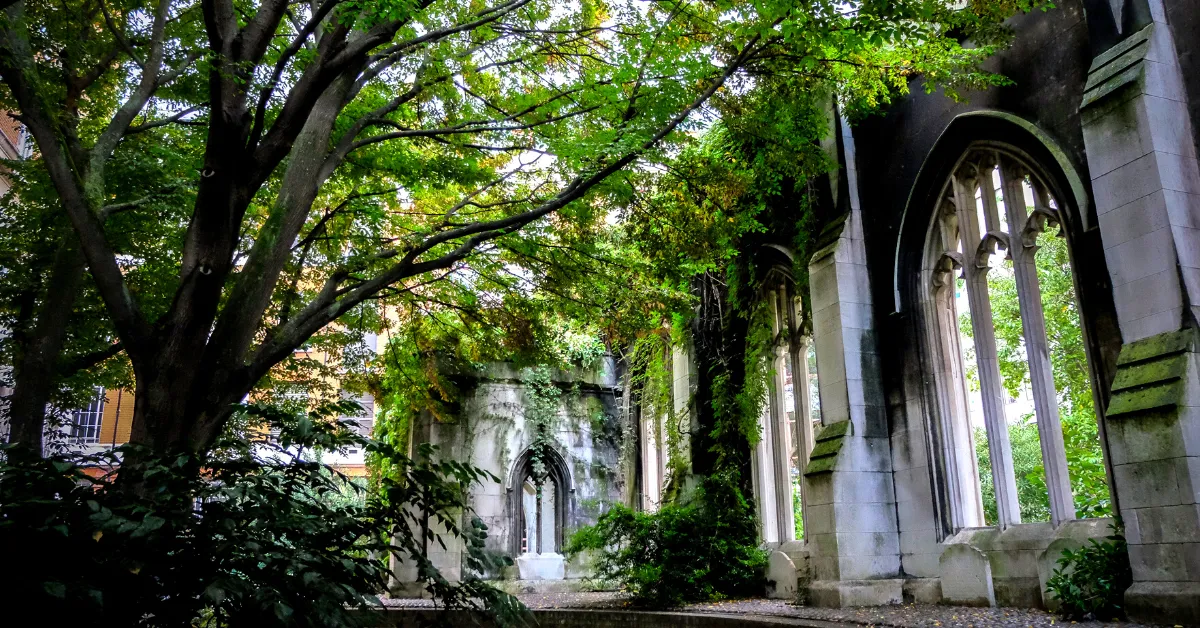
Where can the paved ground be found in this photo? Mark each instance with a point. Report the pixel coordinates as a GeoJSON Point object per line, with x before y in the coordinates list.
{"type": "Point", "coordinates": [904, 616]}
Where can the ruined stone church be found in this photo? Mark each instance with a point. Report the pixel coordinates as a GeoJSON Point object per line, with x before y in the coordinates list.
{"type": "Point", "coordinates": [872, 425]}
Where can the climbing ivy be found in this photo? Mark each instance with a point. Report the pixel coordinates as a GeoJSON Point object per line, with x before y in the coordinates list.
{"type": "Point", "coordinates": [649, 364]}
{"type": "Point", "coordinates": [542, 398]}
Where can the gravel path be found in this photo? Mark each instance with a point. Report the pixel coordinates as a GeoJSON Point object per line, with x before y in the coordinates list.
{"type": "Point", "coordinates": [902, 616]}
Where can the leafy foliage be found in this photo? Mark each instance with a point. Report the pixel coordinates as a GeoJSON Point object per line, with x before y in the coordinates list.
{"type": "Point", "coordinates": [235, 180]}
{"type": "Point", "coordinates": [1090, 582]}
{"type": "Point", "coordinates": [701, 550]}
{"type": "Point", "coordinates": [264, 536]}
{"type": "Point", "coordinates": [542, 399]}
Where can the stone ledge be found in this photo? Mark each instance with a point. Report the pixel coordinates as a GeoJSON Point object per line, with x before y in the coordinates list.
{"type": "Point", "coordinates": [580, 618]}
{"type": "Point", "coordinates": [1149, 375]}
{"type": "Point", "coordinates": [1164, 602]}
{"type": "Point", "coordinates": [844, 593]}
{"type": "Point", "coordinates": [830, 439]}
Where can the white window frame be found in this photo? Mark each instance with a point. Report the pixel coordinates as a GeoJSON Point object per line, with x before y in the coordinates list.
{"type": "Point", "coordinates": [89, 420]}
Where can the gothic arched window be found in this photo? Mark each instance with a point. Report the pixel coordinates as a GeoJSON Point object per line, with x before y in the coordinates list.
{"type": "Point", "coordinates": [786, 426]}
{"type": "Point", "coordinates": [983, 284]}
{"type": "Point", "coordinates": [539, 496]}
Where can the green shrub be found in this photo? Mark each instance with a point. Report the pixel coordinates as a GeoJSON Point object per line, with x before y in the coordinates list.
{"type": "Point", "coordinates": [1090, 582]}
{"type": "Point", "coordinates": [705, 549]}
{"type": "Point", "coordinates": [256, 534]}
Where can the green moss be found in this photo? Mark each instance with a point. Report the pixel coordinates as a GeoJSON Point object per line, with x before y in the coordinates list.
{"type": "Point", "coordinates": [834, 430]}
{"type": "Point", "coordinates": [828, 447]}
{"type": "Point", "coordinates": [1156, 346]}
{"type": "Point", "coordinates": [820, 465]}
{"type": "Point", "coordinates": [1150, 372]}
{"type": "Point", "coordinates": [1155, 397]}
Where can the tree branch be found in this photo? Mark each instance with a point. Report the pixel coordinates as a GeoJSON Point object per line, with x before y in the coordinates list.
{"type": "Point", "coordinates": [116, 128]}
{"type": "Point", "coordinates": [88, 360]}
{"type": "Point", "coordinates": [327, 306]}
{"type": "Point", "coordinates": [139, 128]}
{"type": "Point", "coordinates": [18, 71]}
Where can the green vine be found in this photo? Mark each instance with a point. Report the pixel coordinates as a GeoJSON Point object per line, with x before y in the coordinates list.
{"type": "Point", "coordinates": [652, 378]}
{"type": "Point", "coordinates": [542, 398]}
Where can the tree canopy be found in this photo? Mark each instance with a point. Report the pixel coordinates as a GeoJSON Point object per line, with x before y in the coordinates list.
{"type": "Point", "coordinates": [219, 181]}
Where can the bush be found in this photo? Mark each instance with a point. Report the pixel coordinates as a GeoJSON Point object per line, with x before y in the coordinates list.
{"type": "Point", "coordinates": [254, 534]}
{"type": "Point", "coordinates": [703, 550]}
{"type": "Point", "coordinates": [1090, 582]}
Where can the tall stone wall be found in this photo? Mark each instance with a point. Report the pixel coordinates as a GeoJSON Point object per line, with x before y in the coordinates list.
{"type": "Point", "coordinates": [490, 430]}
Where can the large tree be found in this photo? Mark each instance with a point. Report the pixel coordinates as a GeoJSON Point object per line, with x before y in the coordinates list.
{"type": "Point", "coordinates": [320, 156]}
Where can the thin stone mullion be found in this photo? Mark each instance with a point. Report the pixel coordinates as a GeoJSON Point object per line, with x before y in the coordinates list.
{"type": "Point", "coordinates": [966, 505]}
{"type": "Point", "coordinates": [781, 462]}
{"type": "Point", "coordinates": [990, 386]}
{"type": "Point", "coordinates": [1037, 351]}
{"type": "Point", "coordinates": [991, 211]}
{"type": "Point", "coordinates": [803, 434]}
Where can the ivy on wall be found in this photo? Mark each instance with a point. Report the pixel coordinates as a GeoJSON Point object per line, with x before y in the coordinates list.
{"type": "Point", "coordinates": [542, 399]}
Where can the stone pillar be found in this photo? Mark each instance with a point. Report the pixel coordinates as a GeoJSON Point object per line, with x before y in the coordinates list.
{"type": "Point", "coordinates": [762, 468]}
{"type": "Point", "coordinates": [1146, 181]}
{"type": "Point", "coordinates": [683, 388]}
{"type": "Point", "coordinates": [798, 354]}
{"type": "Point", "coordinates": [991, 387]}
{"type": "Point", "coordinates": [781, 436]}
{"type": "Point", "coordinates": [1023, 249]}
{"type": "Point", "coordinates": [852, 534]}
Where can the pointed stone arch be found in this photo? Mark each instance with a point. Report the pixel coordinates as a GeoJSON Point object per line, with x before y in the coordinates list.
{"type": "Point", "coordinates": [559, 475]}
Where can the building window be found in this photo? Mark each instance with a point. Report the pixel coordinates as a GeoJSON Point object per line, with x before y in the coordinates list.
{"type": "Point", "coordinates": [539, 499]}
{"type": "Point", "coordinates": [992, 361]}
{"type": "Point", "coordinates": [792, 408]}
{"type": "Point", "coordinates": [85, 422]}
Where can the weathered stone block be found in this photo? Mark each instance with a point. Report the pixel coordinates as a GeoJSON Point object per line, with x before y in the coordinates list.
{"type": "Point", "coordinates": [1168, 524]}
{"type": "Point", "coordinates": [865, 517]}
{"type": "Point", "coordinates": [542, 566]}
{"type": "Point", "coordinates": [1135, 219]}
{"type": "Point", "coordinates": [1165, 562]}
{"type": "Point", "coordinates": [966, 576]}
{"type": "Point", "coordinates": [781, 576]}
{"type": "Point", "coordinates": [863, 487]}
{"type": "Point", "coordinates": [922, 565]}
{"type": "Point", "coordinates": [919, 542]}
{"type": "Point", "coordinates": [1018, 592]}
{"type": "Point", "coordinates": [868, 567]}
{"type": "Point", "coordinates": [1148, 436]}
{"type": "Point", "coordinates": [1163, 602]}
{"type": "Point", "coordinates": [849, 593]}
{"type": "Point", "coordinates": [1161, 396]}
{"type": "Point", "coordinates": [1141, 257]}
{"type": "Point", "coordinates": [1149, 324]}
{"type": "Point", "coordinates": [1014, 563]}
{"type": "Point", "coordinates": [1150, 483]}
{"type": "Point", "coordinates": [923, 591]}
{"type": "Point", "coordinates": [914, 514]}
{"type": "Point", "coordinates": [868, 543]}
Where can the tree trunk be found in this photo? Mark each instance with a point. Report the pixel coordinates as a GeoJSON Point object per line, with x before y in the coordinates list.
{"type": "Point", "coordinates": [719, 334]}
{"type": "Point", "coordinates": [36, 370]}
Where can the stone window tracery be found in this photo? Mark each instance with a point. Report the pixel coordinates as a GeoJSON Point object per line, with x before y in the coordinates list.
{"type": "Point", "coordinates": [788, 417]}
{"type": "Point", "coordinates": [540, 497]}
{"type": "Point", "coordinates": [994, 206]}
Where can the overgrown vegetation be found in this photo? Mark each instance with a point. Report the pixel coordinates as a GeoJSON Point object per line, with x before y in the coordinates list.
{"type": "Point", "coordinates": [1089, 583]}
{"type": "Point", "coordinates": [702, 548]}
{"type": "Point", "coordinates": [226, 199]}
{"type": "Point", "coordinates": [263, 536]}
